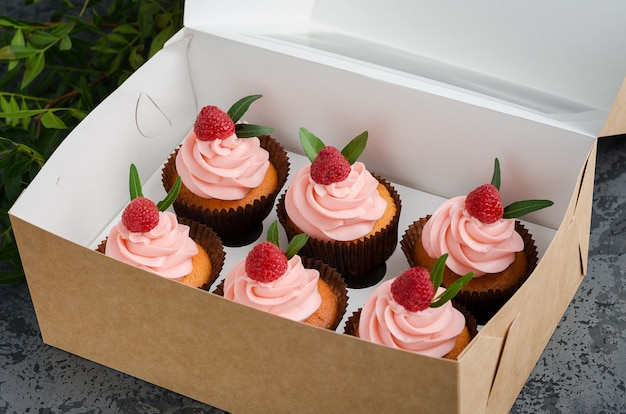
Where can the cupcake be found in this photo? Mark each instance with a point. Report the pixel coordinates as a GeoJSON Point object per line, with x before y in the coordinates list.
{"type": "Point", "coordinates": [350, 215]}
{"type": "Point", "coordinates": [287, 285]}
{"type": "Point", "coordinates": [153, 239]}
{"type": "Point", "coordinates": [412, 312]}
{"type": "Point", "coordinates": [481, 236]}
{"type": "Point", "coordinates": [231, 173]}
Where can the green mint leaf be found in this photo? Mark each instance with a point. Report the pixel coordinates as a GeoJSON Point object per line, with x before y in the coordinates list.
{"type": "Point", "coordinates": [241, 106]}
{"type": "Point", "coordinates": [272, 234]}
{"type": "Point", "coordinates": [135, 183]}
{"type": "Point", "coordinates": [436, 274]}
{"type": "Point", "coordinates": [170, 197]}
{"type": "Point", "coordinates": [452, 290]}
{"type": "Point", "coordinates": [251, 130]}
{"type": "Point", "coordinates": [311, 144]}
{"type": "Point", "coordinates": [521, 208]}
{"type": "Point", "coordinates": [495, 179]}
{"type": "Point", "coordinates": [355, 148]}
{"type": "Point", "coordinates": [295, 244]}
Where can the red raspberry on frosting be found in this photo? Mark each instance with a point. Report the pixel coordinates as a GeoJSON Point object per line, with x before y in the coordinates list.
{"type": "Point", "coordinates": [485, 204]}
{"type": "Point", "coordinates": [330, 166]}
{"type": "Point", "coordinates": [266, 262]}
{"type": "Point", "coordinates": [212, 123]}
{"type": "Point", "coordinates": [140, 215]}
{"type": "Point", "coordinates": [413, 289]}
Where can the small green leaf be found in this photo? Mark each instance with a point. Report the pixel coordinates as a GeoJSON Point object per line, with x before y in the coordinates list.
{"type": "Point", "coordinates": [355, 148]}
{"type": "Point", "coordinates": [78, 114]}
{"type": "Point", "coordinates": [452, 290]}
{"type": "Point", "coordinates": [251, 130]}
{"type": "Point", "coordinates": [41, 38]}
{"type": "Point", "coordinates": [521, 208]}
{"type": "Point", "coordinates": [272, 234]}
{"type": "Point", "coordinates": [495, 179]}
{"type": "Point", "coordinates": [126, 29]}
{"type": "Point", "coordinates": [116, 38]}
{"type": "Point", "coordinates": [14, 108]}
{"type": "Point", "coordinates": [6, 22]}
{"type": "Point", "coordinates": [24, 107]}
{"type": "Point", "coordinates": [135, 59]}
{"type": "Point", "coordinates": [295, 244]}
{"type": "Point", "coordinates": [159, 40]}
{"type": "Point", "coordinates": [436, 274]}
{"type": "Point", "coordinates": [171, 196]}
{"type": "Point", "coordinates": [7, 53]}
{"type": "Point", "coordinates": [4, 104]}
{"type": "Point", "coordinates": [134, 183]}
{"type": "Point", "coordinates": [240, 107]}
{"type": "Point", "coordinates": [18, 168]}
{"type": "Point", "coordinates": [50, 120]}
{"type": "Point", "coordinates": [311, 144]}
{"type": "Point", "coordinates": [34, 66]}
{"type": "Point", "coordinates": [18, 39]}
{"type": "Point", "coordinates": [65, 44]}
{"type": "Point", "coordinates": [62, 29]}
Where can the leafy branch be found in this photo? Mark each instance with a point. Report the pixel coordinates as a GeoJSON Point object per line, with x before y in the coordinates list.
{"type": "Point", "coordinates": [53, 73]}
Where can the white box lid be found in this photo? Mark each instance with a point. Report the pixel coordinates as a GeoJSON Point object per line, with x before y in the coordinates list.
{"type": "Point", "coordinates": [558, 59]}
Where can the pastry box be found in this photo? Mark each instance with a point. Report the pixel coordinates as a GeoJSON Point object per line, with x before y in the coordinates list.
{"type": "Point", "coordinates": [443, 89]}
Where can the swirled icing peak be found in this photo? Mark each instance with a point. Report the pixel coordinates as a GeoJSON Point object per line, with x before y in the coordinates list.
{"type": "Point", "coordinates": [473, 246]}
{"type": "Point", "coordinates": [294, 295]}
{"type": "Point", "coordinates": [345, 210]}
{"type": "Point", "coordinates": [165, 250]}
{"type": "Point", "coordinates": [225, 169]}
{"type": "Point", "coordinates": [431, 331]}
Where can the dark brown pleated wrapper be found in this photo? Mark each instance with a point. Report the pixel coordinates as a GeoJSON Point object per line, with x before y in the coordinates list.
{"type": "Point", "coordinates": [329, 275]}
{"type": "Point", "coordinates": [238, 227]}
{"type": "Point", "coordinates": [206, 238]}
{"type": "Point", "coordinates": [482, 304]}
{"type": "Point", "coordinates": [361, 262]}
{"type": "Point", "coordinates": [351, 326]}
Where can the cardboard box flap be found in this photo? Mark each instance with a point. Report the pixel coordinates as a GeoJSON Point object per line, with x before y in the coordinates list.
{"type": "Point", "coordinates": [484, 49]}
{"type": "Point", "coordinates": [616, 121]}
{"type": "Point", "coordinates": [86, 177]}
{"type": "Point", "coordinates": [477, 371]}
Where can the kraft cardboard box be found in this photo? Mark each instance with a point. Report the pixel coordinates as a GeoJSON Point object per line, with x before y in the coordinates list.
{"type": "Point", "coordinates": [435, 126]}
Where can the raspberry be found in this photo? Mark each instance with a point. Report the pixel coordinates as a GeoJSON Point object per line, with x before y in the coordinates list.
{"type": "Point", "coordinates": [266, 262]}
{"type": "Point", "coordinates": [485, 204]}
{"type": "Point", "coordinates": [212, 123]}
{"type": "Point", "coordinates": [413, 289]}
{"type": "Point", "coordinates": [140, 215]}
{"type": "Point", "coordinates": [330, 166]}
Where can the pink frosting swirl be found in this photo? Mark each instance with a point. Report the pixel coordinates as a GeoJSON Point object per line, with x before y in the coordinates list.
{"type": "Point", "coordinates": [165, 250]}
{"type": "Point", "coordinates": [431, 332]}
{"type": "Point", "coordinates": [342, 211]}
{"type": "Point", "coordinates": [225, 169]}
{"type": "Point", "coordinates": [472, 245]}
{"type": "Point", "coordinates": [294, 295]}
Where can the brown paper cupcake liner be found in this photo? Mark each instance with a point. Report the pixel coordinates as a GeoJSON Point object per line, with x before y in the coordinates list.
{"type": "Point", "coordinates": [361, 262]}
{"type": "Point", "coordinates": [482, 304]}
{"type": "Point", "coordinates": [329, 275]}
{"type": "Point", "coordinates": [236, 227]}
{"type": "Point", "coordinates": [351, 326]}
{"type": "Point", "coordinates": [206, 238]}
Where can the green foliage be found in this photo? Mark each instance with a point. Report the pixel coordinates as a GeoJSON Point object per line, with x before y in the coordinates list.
{"type": "Point", "coordinates": [53, 73]}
